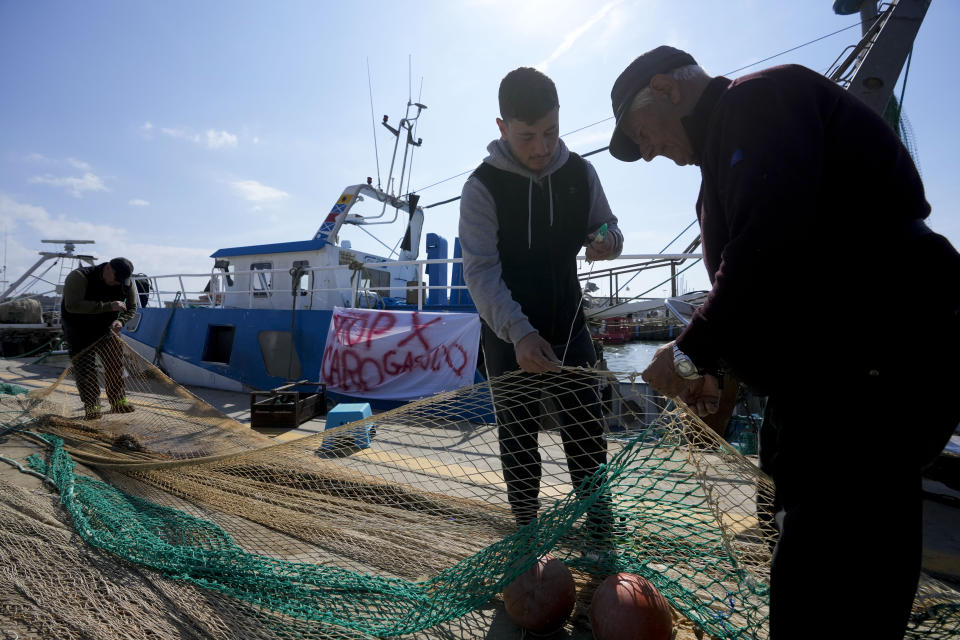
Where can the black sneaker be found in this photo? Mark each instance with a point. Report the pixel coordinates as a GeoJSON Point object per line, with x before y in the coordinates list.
{"type": "Point", "coordinates": [122, 406]}
{"type": "Point", "coordinates": [600, 560]}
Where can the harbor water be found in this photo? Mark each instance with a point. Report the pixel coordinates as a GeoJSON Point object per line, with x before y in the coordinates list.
{"type": "Point", "coordinates": [630, 357]}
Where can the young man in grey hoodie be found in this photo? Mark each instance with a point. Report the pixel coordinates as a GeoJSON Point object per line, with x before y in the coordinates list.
{"type": "Point", "coordinates": [525, 213]}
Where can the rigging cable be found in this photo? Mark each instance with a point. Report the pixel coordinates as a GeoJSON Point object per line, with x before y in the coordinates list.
{"type": "Point", "coordinates": [590, 153]}
{"type": "Point", "coordinates": [799, 46]}
{"type": "Point", "coordinates": [373, 123]}
{"type": "Point", "coordinates": [385, 245]}
{"type": "Point", "coordinates": [678, 236]}
{"type": "Point", "coordinates": [903, 90]}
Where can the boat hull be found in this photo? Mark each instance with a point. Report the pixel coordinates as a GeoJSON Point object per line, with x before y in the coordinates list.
{"type": "Point", "coordinates": [181, 341]}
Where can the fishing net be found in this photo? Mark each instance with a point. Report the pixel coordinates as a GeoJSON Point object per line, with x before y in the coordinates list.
{"type": "Point", "coordinates": [399, 523]}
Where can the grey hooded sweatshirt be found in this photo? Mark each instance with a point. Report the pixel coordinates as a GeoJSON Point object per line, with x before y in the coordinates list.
{"type": "Point", "coordinates": [479, 227]}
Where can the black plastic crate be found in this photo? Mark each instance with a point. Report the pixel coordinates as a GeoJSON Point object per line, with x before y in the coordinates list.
{"type": "Point", "coordinates": [287, 406]}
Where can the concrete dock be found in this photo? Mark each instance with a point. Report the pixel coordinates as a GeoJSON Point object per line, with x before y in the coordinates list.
{"type": "Point", "coordinates": [941, 556]}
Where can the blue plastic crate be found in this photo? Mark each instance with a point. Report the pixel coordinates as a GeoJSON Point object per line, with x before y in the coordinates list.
{"type": "Point", "coordinates": [347, 412]}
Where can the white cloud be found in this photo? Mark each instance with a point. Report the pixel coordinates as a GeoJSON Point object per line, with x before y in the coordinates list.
{"type": "Point", "coordinates": [27, 224]}
{"type": "Point", "coordinates": [211, 138]}
{"type": "Point", "coordinates": [74, 186]}
{"type": "Point", "coordinates": [146, 130]}
{"type": "Point", "coordinates": [176, 133]}
{"type": "Point", "coordinates": [137, 202]}
{"type": "Point", "coordinates": [217, 139]}
{"type": "Point", "coordinates": [574, 35]}
{"type": "Point", "coordinates": [255, 192]}
{"type": "Point", "coordinates": [79, 164]}
{"type": "Point", "coordinates": [13, 213]}
{"type": "Point", "coordinates": [39, 158]}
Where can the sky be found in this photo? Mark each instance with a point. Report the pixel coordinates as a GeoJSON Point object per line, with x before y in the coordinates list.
{"type": "Point", "coordinates": [167, 130]}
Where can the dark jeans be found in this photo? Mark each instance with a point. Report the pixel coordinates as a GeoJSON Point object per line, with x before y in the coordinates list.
{"type": "Point", "coordinates": [519, 410]}
{"type": "Point", "coordinates": [768, 505]}
{"type": "Point", "coordinates": [848, 478]}
{"type": "Point", "coordinates": [846, 442]}
{"type": "Point", "coordinates": [110, 352]}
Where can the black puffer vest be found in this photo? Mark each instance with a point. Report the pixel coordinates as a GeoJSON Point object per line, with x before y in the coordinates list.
{"type": "Point", "coordinates": [539, 262]}
{"type": "Point", "coordinates": [83, 329]}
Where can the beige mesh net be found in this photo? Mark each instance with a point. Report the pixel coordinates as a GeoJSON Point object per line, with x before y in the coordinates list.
{"type": "Point", "coordinates": [198, 526]}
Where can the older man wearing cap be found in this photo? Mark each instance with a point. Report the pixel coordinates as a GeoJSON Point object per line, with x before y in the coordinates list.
{"type": "Point", "coordinates": [97, 301]}
{"type": "Point", "coordinates": [784, 157]}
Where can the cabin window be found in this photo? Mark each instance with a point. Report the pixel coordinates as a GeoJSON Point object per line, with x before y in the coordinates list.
{"type": "Point", "coordinates": [379, 280]}
{"type": "Point", "coordinates": [219, 344]}
{"type": "Point", "coordinates": [261, 279]}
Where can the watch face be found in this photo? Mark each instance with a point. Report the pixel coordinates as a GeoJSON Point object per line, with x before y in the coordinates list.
{"type": "Point", "coordinates": [685, 367]}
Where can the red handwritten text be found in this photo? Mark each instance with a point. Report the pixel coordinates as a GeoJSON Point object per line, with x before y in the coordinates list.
{"type": "Point", "coordinates": [351, 362]}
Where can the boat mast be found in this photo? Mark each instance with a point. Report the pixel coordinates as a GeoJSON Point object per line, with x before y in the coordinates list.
{"type": "Point", "coordinates": [872, 68]}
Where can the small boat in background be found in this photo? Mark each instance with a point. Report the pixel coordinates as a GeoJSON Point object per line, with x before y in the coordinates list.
{"type": "Point", "coordinates": [30, 318]}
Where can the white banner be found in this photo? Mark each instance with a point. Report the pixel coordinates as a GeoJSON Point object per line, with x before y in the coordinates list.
{"type": "Point", "coordinates": [399, 355]}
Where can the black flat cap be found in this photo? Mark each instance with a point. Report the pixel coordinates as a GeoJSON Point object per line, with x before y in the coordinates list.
{"type": "Point", "coordinates": [632, 81]}
{"type": "Point", "coordinates": [122, 268]}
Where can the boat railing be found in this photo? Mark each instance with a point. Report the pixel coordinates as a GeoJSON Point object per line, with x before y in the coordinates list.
{"type": "Point", "coordinates": [631, 265]}
{"type": "Point", "coordinates": [171, 289]}
{"type": "Point", "coordinates": [219, 289]}
{"type": "Point", "coordinates": [265, 288]}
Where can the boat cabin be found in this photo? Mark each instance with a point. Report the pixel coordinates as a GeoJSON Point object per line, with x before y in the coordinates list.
{"type": "Point", "coordinates": [324, 272]}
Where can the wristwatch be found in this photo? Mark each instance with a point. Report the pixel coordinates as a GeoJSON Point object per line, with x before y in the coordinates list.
{"type": "Point", "coordinates": [683, 365]}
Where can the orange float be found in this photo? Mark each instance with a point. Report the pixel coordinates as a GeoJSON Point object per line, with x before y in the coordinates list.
{"type": "Point", "coordinates": [540, 599]}
{"type": "Point", "coordinates": [628, 607]}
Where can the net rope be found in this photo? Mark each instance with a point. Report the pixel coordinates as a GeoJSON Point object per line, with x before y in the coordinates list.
{"type": "Point", "coordinates": [389, 525]}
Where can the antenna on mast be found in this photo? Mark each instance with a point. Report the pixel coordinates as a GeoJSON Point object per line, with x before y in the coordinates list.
{"type": "Point", "coordinates": [414, 132]}
{"type": "Point", "coordinates": [407, 123]}
{"type": "Point", "coordinates": [373, 123]}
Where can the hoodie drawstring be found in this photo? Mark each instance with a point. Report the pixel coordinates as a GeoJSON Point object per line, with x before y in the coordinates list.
{"type": "Point", "coordinates": [530, 214]}
{"type": "Point", "coordinates": [550, 196]}
{"type": "Point", "coordinates": [530, 208]}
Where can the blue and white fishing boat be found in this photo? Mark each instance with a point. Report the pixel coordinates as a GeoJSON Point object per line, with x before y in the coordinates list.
{"type": "Point", "coordinates": [260, 317]}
